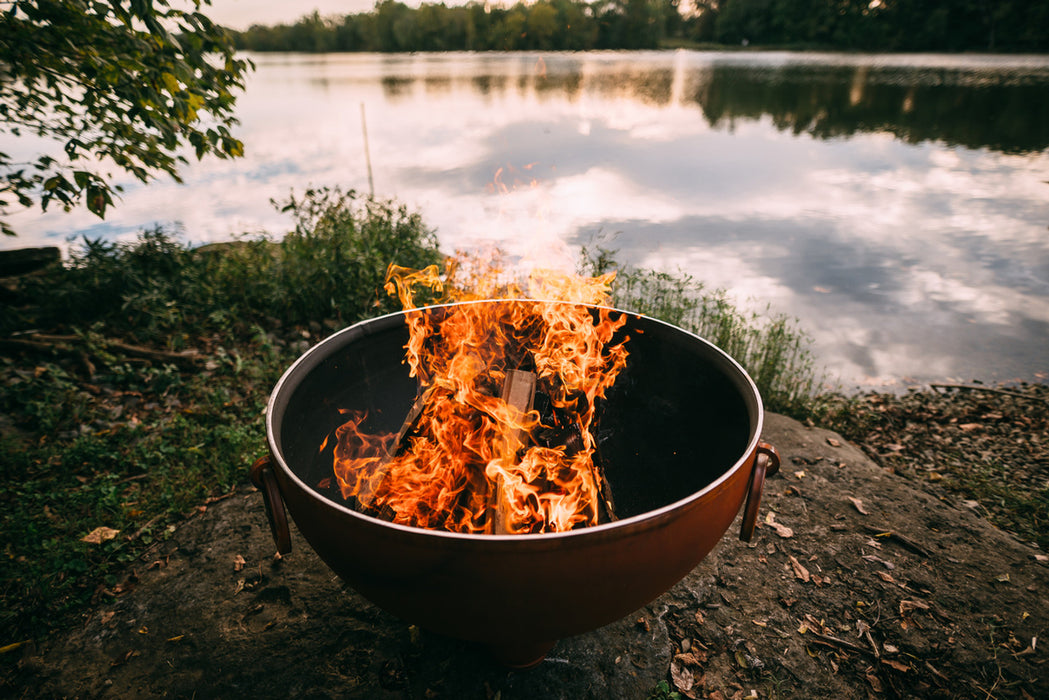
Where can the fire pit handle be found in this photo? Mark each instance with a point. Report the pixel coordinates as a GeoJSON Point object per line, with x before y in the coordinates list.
{"type": "Point", "coordinates": [263, 478]}
{"type": "Point", "coordinates": [766, 463]}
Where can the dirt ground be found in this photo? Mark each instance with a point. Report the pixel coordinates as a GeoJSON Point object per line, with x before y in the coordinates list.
{"type": "Point", "coordinates": [856, 585]}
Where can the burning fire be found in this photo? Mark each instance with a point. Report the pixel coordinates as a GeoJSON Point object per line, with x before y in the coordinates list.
{"type": "Point", "coordinates": [501, 436]}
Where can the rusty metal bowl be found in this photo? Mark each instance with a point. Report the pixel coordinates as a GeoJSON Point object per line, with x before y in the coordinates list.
{"type": "Point", "coordinates": [679, 439]}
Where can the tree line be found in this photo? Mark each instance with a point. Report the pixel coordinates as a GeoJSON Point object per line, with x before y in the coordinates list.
{"type": "Point", "coordinates": [867, 25]}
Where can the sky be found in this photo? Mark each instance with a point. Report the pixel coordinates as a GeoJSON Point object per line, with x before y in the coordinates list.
{"type": "Point", "coordinates": [241, 14]}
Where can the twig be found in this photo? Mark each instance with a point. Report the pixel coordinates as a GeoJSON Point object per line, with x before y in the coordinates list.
{"type": "Point", "coordinates": [40, 342]}
{"type": "Point", "coordinates": [989, 390]}
{"type": "Point", "coordinates": [897, 537]}
{"type": "Point", "coordinates": [834, 641]}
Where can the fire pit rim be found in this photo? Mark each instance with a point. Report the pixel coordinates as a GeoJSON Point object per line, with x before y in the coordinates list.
{"type": "Point", "coordinates": [314, 355]}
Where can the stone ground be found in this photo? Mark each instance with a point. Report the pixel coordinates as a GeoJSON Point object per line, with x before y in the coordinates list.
{"type": "Point", "coordinates": [856, 585]}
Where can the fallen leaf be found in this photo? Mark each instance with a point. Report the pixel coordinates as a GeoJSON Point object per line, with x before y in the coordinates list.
{"type": "Point", "coordinates": [898, 665]}
{"type": "Point", "coordinates": [833, 443]}
{"type": "Point", "coordinates": [1043, 558]}
{"type": "Point", "coordinates": [688, 659]}
{"type": "Point", "coordinates": [799, 474]}
{"type": "Point", "coordinates": [100, 535]}
{"type": "Point", "coordinates": [874, 680]}
{"type": "Point", "coordinates": [781, 530]}
{"type": "Point", "coordinates": [907, 606]}
{"type": "Point", "coordinates": [799, 570]}
{"type": "Point", "coordinates": [890, 648]}
{"type": "Point", "coordinates": [238, 563]}
{"type": "Point", "coordinates": [859, 505]}
{"type": "Point", "coordinates": [1004, 578]}
{"type": "Point", "coordinates": [885, 576]}
{"type": "Point", "coordinates": [969, 427]}
{"type": "Point", "coordinates": [682, 676]}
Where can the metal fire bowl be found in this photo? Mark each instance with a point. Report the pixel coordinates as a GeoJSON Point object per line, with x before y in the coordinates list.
{"type": "Point", "coordinates": [678, 439]}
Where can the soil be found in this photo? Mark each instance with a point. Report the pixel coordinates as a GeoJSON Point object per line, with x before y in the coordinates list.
{"type": "Point", "coordinates": [860, 582]}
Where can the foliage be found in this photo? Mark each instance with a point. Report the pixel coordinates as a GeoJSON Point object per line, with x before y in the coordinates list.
{"type": "Point", "coordinates": [156, 289]}
{"type": "Point", "coordinates": [771, 347]}
{"type": "Point", "coordinates": [126, 84]}
{"type": "Point", "coordinates": [542, 25]}
{"type": "Point", "coordinates": [885, 25]}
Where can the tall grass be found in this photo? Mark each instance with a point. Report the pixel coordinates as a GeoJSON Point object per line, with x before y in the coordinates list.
{"type": "Point", "coordinates": [771, 346]}
{"type": "Point", "coordinates": [331, 266]}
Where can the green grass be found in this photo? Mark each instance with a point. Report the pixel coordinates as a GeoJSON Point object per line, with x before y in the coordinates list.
{"type": "Point", "coordinates": [772, 347]}
{"type": "Point", "coordinates": [98, 438]}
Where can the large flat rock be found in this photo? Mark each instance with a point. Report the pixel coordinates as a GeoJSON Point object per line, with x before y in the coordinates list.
{"type": "Point", "coordinates": [869, 586]}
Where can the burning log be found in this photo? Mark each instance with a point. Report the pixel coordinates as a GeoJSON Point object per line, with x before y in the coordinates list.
{"type": "Point", "coordinates": [519, 394]}
{"type": "Point", "coordinates": [366, 496]}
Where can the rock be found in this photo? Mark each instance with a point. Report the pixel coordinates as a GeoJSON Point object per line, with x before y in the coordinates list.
{"type": "Point", "coordinates": [211, 612]}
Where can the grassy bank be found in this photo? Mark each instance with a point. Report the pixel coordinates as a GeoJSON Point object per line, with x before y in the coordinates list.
{"type": "Point", "coordinates": [134, 380]}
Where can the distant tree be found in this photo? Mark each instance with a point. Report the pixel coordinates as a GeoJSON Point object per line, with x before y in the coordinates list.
{"type": "Point", "coordinates": [124, 83]}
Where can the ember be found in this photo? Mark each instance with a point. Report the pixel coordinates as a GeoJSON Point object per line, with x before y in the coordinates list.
{"type": "Point", "coordinates": [500, 438]}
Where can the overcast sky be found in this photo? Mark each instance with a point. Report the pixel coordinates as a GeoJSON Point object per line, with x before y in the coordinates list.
{"type": "Point", "coordinates": [241, 14]}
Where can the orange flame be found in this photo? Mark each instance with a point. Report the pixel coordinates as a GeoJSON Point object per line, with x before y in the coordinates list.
{"type": "Point", "coordinates": [470, 458]}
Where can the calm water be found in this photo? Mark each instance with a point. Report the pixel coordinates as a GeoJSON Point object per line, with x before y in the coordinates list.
{"type": "Point", "coordinates": [897, 205]}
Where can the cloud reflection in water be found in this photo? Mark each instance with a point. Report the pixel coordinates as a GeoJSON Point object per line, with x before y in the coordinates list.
{"type": "Point", "coordinates": [899, 212]}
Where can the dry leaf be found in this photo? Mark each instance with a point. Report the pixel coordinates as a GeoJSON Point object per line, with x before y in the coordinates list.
{"type": "Point", "coordinates": [969, 427]}
{"type": "Point", "coordinates": [682, 677]}
{"type": "Point", "coordinates": [781, 530]}
{"type": "Point", "coordinates": [874, 680]}
{"type": "Point", "coordinates": [898, 665]}
{"type": "Point", "coordinates": [885, 576]}
{"type": "Point", "coordinates": [100, 535]}
{"type": "Point", "coordinates": [833, 443]}
{"type": "Point", "coordinates": [859, 505]}
{"type": "Point", "coordinates": [799, 570]}
{"type": "Point", "coordinates": [906, 606]}
{"type": "Point", "coordinates": [238, 563]}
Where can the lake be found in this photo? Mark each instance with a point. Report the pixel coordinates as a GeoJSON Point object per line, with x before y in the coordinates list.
{"type": "Point", "coordinates": [898, 206]}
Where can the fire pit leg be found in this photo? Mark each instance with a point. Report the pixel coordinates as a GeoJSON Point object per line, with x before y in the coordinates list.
{"type": "Point", "coordinates": [766, 463]}
{"type": "Point", "coordinates": [521, 655]}
{"type": "Point", "coordinates": [264, 480]}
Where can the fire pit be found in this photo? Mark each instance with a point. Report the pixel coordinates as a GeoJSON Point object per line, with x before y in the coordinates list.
{"type": "Point", "coordinates": [679, 443]}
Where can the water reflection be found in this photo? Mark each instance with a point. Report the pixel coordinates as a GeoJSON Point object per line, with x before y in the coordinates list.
{"type": "Point", "coordinates": [899, 211]}
{"type": "Point", "coordinates": [1004, 109]}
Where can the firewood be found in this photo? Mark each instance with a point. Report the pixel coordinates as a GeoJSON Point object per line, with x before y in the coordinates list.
{"type": "Point", "coordinates": [605, 493]}
{"type": "Point", "coordinates": [366, 495]}
{"type": "Point", "coordinates": [519, 393]}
